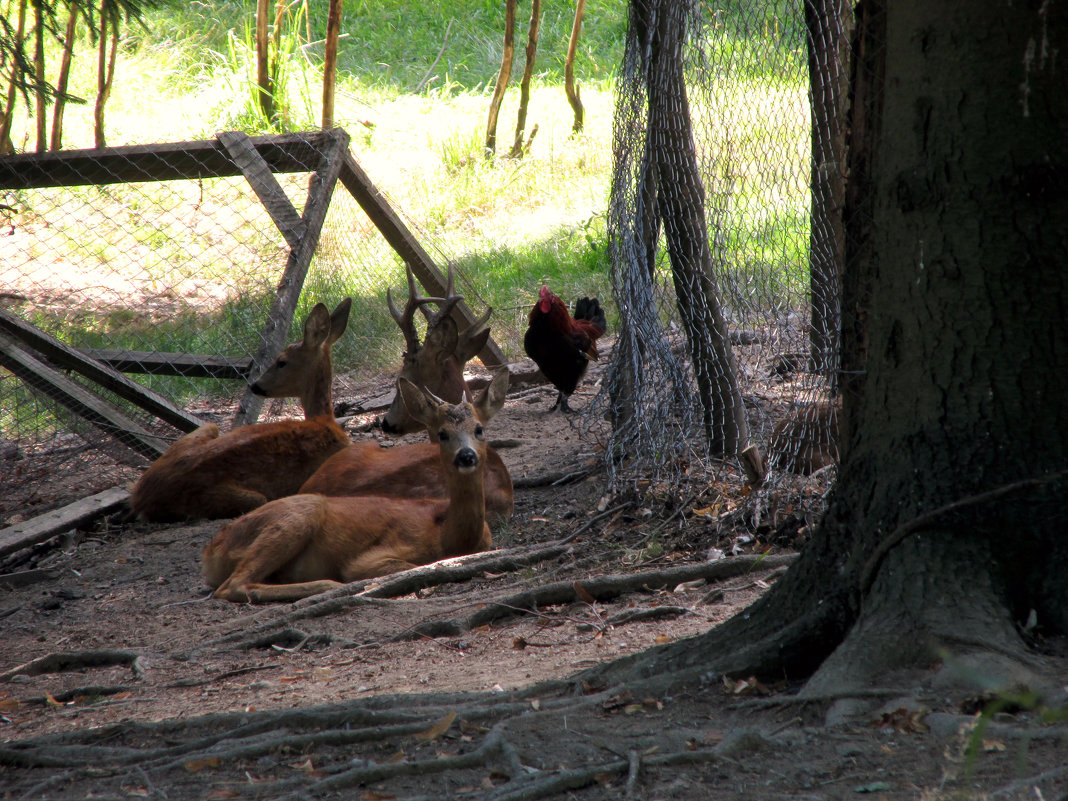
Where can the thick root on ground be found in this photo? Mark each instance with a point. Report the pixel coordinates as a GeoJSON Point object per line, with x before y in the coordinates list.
{"type": "Point", "coordinates": [935, 615]}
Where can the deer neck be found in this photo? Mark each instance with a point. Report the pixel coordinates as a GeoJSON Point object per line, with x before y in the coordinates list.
{"type": "Point", "coordinates": [462, 528]}
{"type": "Point", "coordinates": [317, 399]}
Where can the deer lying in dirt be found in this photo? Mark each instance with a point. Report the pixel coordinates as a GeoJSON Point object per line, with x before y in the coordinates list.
{"type": "Point", "coordinates": [208, 474]}
{"type": "Point", "coordinates": [305, 544]}
{"type": "Point", "coordinates": [414, 470]}
{"type": "Point", "coordinates": [807, 441]}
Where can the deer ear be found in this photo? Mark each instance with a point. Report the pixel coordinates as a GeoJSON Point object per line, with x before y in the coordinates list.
{"type": "Point", "coordinates": [491, 399]}
{"type": "Point", "coordinates": [415, 401]}
{"type": "Point", "coordinates": [339, 320]}
{"type": "Point", "coordinates": [317, 326]}
{"type": "Point", "coordinates": [471, 346]}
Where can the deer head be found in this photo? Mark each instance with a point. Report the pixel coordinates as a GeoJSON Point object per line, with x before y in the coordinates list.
{"type": "Point", "coordinates": [438, 363]}
{"type": "Point", "coordinates": [304, 369]}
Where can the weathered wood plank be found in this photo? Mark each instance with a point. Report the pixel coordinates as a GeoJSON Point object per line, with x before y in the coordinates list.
{"type": "Point", "coordinates": [258, 173]}
{"type": "Point", "coordinates": [48, 525]}
{"type": "Point", "coordinates": [158, 162]}
{"type": "Point", "coordinates": [191, 365]}
{"type": "Point", "coordinates": [377, 208]}
{"type": "Point", "coordinates": [107, 376]}
{"type": "Point", "coordinates": [280, 316]}
{"type": "Point", "coordinates": [78, 399]}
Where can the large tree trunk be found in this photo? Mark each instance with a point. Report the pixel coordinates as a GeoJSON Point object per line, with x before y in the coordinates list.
{"type": "Point", "coordinates": [944, 531]}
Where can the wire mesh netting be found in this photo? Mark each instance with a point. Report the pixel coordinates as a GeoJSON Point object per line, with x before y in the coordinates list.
{"type": "Point", "coordinates": [172, 281]}
{"type": "Point", "coordinates": [726, 252]}
{"type": "Point", "coordinates": [725, 240]}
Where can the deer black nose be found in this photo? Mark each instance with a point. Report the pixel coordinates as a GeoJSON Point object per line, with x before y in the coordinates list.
{"type": "Point", "coordinates": [466, 457]}
{"type": "Point", "coordinates": [387, 426]}
{"type": "Point", "coordinates": [258, 390]}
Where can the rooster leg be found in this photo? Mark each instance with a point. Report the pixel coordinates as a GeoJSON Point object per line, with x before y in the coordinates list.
{"type": "Point", "coordinates": [562, 403]}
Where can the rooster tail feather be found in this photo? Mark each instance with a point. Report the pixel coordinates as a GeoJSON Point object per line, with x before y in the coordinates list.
{"type": "Point", "coordinates": [590, 309]}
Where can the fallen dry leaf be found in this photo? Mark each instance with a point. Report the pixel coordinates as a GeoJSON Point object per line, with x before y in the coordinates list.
{"type": "Point", "coordinates": [437, 729]}
{"type": "Point", "coordinates": [582, 593]}
{"type": "Point", "coordinates": [222, 794]}
{"type": "Point", "coordinates": [197, 765]}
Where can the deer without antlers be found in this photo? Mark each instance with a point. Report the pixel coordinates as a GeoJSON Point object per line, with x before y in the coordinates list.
{"type": "Point", "coordinates": [208, 474]}
{"type": "Point", "coordinates": [305, 544]}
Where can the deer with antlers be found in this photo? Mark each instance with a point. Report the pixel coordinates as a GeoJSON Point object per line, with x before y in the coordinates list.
{"type": "Point", "coordinates": [305, 544]}
{"type": "Point", "coordinates": [208, 474]}
{"type": "Point", "coordinates": [365, 468]}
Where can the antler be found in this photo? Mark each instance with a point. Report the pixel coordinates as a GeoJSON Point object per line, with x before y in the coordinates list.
{"type": "Point", "coordinates": [445, 305]}
{"type": "Point", "coordinates": [415, 300]}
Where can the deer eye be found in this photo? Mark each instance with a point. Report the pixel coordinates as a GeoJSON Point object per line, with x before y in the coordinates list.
{"type": "Point", "coordinates": [280, 363]}
{"type": "Point", "coordinates": [443, 435]}
{"type": "Point", "coordinates": [478, 431]}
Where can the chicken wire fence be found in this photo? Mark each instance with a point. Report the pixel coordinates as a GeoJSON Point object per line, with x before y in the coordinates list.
{"type": "Point", "coordinates": [727, 244]}
{"type": "Point", "coordinates": [173, 281]}
{"type": "Point", "coordinates": [729, 317]}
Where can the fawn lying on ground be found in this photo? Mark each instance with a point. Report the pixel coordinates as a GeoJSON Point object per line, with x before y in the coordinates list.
{"type": "Point", "coordinates": [305, 544]}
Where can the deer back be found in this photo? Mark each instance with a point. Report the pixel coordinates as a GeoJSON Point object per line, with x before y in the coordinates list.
{"type": "Point", "coordinates": [205, 474]}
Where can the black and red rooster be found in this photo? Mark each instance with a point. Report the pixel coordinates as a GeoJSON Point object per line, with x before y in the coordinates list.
{"type": "Point", "coordinates": [562, 345]}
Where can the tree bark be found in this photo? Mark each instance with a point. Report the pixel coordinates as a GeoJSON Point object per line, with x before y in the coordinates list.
{"type": "Point", "coordinates": [264, 88]}
{"type": "Point", "coordinates": [8, 117]}
{"type": "Point", "coordinates": [528, 72]}
{"type": "Point", "coordinates": [40, 91]}
{"type": "Point", "coordinates": [502, 76]}
{"type": "Point", "coordinates": [943, 533]}
{"type": "Point", "coordinates": [681, 202]}
{"type": "Point", "coordinates": [333, 31]}
{"type": "Point", "coordinates": [570, 87]}
{"type": "Point", "coordinates": [62, 80]}
{"type": "Point", "coordinates": [828, 23]}
{"type": "Point", "coordinates": [107, 51]}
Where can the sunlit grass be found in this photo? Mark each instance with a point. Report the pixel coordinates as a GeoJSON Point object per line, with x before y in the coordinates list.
{"type": "Point", "coordinates": [508, 224]}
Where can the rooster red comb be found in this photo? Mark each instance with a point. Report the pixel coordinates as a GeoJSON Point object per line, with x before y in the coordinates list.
{"type": "Point", "coordinates": [545, 297]}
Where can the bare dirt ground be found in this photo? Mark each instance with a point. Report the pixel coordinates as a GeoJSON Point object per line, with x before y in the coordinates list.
{"type": "Point", "coordinates": [458, 681]}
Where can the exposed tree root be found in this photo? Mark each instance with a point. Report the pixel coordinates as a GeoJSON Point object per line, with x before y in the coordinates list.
{"type": "Point", "coordinates": [263, 626]}
{"type": "Point", "coordinates": [526, 601]}
{"type": "Point", "coordinates": [950, 614]}
{"type": "Point", "coordinates": [66, 661]}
